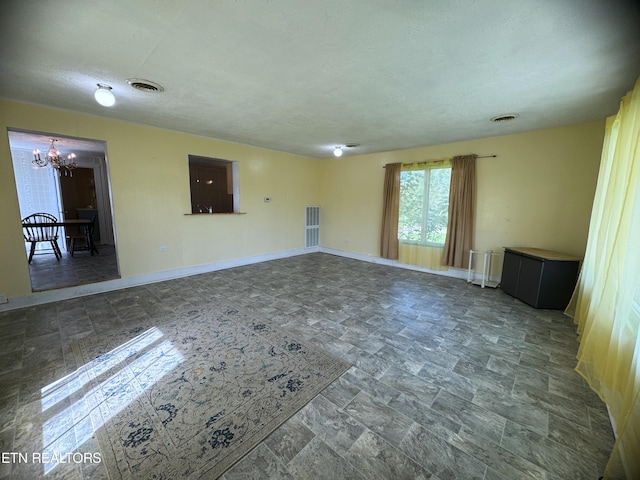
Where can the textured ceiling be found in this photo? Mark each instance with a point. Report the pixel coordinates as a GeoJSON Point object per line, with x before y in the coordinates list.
{"type": "Point", "coordinates": [301, 77]}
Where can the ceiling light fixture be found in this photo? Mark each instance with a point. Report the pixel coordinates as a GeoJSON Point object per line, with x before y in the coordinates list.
{"type": "Point", "coordinates": [338, 150]}
{"type": "Point", "coordinates": [54, 159]}
{"type": "Point", "coordinates": [104, 96]}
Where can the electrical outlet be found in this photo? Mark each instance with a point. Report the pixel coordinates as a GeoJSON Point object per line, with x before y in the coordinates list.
{"type": "Point", "coordinates": [163, 248]}
{"type": "Point", "coordinates": [3, 298]}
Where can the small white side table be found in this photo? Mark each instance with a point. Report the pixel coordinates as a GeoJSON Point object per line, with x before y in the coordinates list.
{"type": "Point", "coordinates": [485, 280]}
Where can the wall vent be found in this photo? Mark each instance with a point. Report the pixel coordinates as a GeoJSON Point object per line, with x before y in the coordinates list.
{"type": "Point", "coordinates": [312, 227]}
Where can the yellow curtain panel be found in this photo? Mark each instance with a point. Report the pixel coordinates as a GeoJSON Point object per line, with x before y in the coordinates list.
{"type": "Point", "coordinates": [606, 303]}
{"type": "Point", "coordinates": [421, 256]}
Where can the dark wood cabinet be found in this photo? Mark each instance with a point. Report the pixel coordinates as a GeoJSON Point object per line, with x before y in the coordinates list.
{"type": "Point", "coordinates": [540, 278]}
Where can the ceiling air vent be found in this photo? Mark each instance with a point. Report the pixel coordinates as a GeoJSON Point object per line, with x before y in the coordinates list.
{"type": "Point", "coordinates": [504, 118]}
{"type": "Point", "coordinates": [145, 85]}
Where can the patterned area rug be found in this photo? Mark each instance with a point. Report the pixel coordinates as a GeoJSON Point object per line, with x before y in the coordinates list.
{"type": "Point", "coordinates": [189, 396]}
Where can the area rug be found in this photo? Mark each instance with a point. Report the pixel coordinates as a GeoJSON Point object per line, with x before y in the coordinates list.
{"type": "Point", "coordinates": [190, 395]}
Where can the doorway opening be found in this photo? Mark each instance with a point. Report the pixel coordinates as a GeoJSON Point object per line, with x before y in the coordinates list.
{"type": "Point", "coordinates": [82, 192]}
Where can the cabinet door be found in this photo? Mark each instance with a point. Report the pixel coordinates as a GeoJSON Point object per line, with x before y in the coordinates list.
{"type": "Point", "coordinates": [529, 284]}
{"type": "Point", "coordinates": [510, 273]}
{"type": "Point", "coordinates": [558, 281]}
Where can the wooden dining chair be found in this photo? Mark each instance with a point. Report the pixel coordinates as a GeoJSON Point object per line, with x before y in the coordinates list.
{"type": "Point", "coordinates": [78, 239]}
{"type": "Point", "coordinates": [36, 230]}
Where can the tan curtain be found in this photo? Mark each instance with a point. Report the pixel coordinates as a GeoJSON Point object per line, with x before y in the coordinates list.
{"type": "Point", "coordinates": [606, 302]}
{"type": "Point", "coordinates": [462, 199]}
{"type": "Point", "coordinates": [390, 211]}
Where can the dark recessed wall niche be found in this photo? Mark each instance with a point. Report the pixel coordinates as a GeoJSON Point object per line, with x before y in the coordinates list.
{"type": "Point", "coordinates": [214, 185]}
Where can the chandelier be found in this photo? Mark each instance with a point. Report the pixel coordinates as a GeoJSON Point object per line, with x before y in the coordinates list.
{"type": "Point", "coordinates": [54, 159]}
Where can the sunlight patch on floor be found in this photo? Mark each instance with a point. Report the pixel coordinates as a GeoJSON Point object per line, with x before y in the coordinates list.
{"type": "Point", "coordinates": [140, 363]}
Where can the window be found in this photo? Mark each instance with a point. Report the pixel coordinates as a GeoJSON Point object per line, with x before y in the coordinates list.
{"type": "Point", "coordinates": [424, 204]}
{"type": "Point", "coordinates": [214, 185]}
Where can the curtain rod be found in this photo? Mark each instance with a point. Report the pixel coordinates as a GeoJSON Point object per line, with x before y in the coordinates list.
{"type": "Point", "coordinates": [439, 161]}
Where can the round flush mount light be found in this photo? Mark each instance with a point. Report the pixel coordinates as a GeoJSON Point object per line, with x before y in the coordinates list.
{"type": "Point", "coordinates": [145, 85]}
{"type": "Point", "coordinates": [337, 152]}
{"type": "Point", "coordinates": [504, 118]}
{"type": "Point", "coordinates": [104, 96]}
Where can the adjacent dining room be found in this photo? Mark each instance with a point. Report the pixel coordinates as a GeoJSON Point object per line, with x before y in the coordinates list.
{"type": "Point", "coordinates": [63, 192]}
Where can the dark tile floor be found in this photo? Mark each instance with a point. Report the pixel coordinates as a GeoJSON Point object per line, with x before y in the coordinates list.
{"type": "Point", "coordinates": [448, 380]}
{"type": "Point", "coordinates": [47, 273]}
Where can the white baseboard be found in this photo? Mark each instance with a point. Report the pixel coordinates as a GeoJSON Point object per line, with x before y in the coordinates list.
{"type": "Point", "coordinates": [38, 298]}
{"type": "Point", "coordinates": [451, 272]}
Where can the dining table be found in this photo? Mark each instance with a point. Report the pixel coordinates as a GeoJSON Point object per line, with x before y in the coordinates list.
{"type": "Point", "coordinates": [85, 224]}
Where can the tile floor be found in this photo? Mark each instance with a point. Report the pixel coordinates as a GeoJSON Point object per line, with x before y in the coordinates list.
{"type": "Point", "coordinates": [47, 273]}
{"type": "Point", "coordinates": [449, 381]}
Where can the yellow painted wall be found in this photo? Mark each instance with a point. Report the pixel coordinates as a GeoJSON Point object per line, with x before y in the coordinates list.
{"type": "Point", "coordinates": [149, 176]}
{"type": "Point", "coordinates": [538, 192]}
